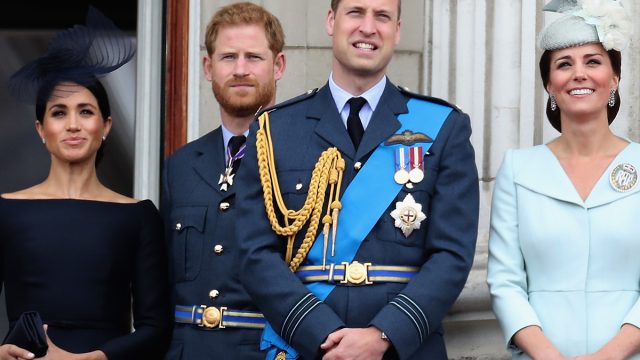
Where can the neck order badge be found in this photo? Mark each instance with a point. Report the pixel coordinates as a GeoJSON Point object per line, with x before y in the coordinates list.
{"type": "Point", "coordinates": [235, 152]}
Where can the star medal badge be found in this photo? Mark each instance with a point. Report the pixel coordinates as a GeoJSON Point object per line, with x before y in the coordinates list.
{"type": "Point", "coordinates": [623, 177]}
{"type": "Point", "coordinates": [408, 215]}
{"type": "Point", "coordinates": [226, 178]}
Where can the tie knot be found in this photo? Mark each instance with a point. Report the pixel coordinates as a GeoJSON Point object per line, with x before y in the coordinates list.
{"type": "Point", "coordinates": [356, 104]}
{"type": "Point", "coordinates": [235, 143]}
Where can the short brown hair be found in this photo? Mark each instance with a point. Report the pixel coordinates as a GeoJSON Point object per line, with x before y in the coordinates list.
{"type": "Point", "coordinates": [545, 69]}
{"type": "Point", "coordinates": [335, 3]}
{"type": "Point", "coordinates": [245, 13]}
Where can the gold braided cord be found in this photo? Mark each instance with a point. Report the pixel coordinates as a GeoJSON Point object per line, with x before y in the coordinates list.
{"type": "Point", "coordinates": [326, 173]}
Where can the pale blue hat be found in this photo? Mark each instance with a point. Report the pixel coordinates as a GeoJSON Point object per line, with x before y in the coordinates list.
{"type": "Point", "coordinates": [586, 22]}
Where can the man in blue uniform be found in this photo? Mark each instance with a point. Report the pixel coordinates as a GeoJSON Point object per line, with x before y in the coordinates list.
{"type": "Point", "coordinates": [215, 318]}
{"type": "Point", "coordinates": [359, 206]}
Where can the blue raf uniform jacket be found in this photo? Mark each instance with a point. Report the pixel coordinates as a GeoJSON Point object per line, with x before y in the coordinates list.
{"type": "Point", "coordinates": [409, 314]}
{"type": "Point", "coordinates": [199, 220]}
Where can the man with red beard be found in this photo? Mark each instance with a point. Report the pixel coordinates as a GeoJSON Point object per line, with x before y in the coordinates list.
{"type": "Point", "coordinates": [214, 316]}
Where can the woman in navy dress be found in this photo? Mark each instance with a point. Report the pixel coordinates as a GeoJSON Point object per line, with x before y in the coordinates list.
{"type": "Point", "coordinates": [91, 261]}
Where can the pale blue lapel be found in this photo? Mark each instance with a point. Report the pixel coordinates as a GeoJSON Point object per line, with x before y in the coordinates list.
{"type": "Point", "coordinates": [604, 193]}
{"type": "Point", "coordinates": [540, 171]}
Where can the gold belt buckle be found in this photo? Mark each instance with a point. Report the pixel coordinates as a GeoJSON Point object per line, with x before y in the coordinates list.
{"type": "Point", "coordinates": [356, 273]}
{"type": "Point", "coordinates": [212, 316]}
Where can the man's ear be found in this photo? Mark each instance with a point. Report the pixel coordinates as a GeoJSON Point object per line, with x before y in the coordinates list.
{"type": "Point", "coordinates": [279, 64]}
{"type": "Point", "coordinates": [331, 19]}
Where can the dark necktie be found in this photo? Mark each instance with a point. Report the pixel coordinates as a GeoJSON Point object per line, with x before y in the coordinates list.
{"type": "Point", "coordinates": [236, 150]}
{"type": "Point", "coordinates": [354, 124]}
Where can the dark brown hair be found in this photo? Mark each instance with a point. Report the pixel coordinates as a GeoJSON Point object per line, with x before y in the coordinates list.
{"type": "Point", "coordinates": [245, 13]}
{"type": "Point", "coordinates": [545, 68]}
{"type": "Point", "coordinates": [93, 85]}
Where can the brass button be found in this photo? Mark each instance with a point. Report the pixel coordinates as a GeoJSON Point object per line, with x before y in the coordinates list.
{"type": "Point", "coordinates": [213, 294]}
{"type": "Point", "coordinates": [224, 206]}
{"type": "Point", "coordinates": [357, 165]}
{"type": "Point", "coordinates": [218, 249]}
{"type": "Point", "coordinates": [178, 226]}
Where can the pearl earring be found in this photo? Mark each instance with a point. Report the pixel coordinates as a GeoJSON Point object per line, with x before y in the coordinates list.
{"type": "Point", "coordinates": [104, 138]}
{"type": "Point", "coordinates": [44, 141]}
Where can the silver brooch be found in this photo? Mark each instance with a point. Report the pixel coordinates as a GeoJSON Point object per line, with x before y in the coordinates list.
{"type": "Point", "coordinates": [623, 177]}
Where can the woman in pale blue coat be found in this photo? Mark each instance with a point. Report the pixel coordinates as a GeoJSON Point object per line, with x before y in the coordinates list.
{"type": "Point", "coordinates": [564, 248]}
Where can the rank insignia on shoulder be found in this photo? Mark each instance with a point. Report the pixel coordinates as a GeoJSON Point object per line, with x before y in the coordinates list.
{"type": "Point", "coordinates": [406, 91]}
{"type": "Point", "coordinates": [408, 138]}
{"type": "Point", "coordinates": [307, 94]}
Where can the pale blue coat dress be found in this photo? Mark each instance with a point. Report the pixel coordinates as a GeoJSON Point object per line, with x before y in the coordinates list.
{"type": "Point", "coordinates": [571, 267]}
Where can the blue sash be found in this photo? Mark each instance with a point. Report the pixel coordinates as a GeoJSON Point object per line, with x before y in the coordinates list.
{"type": "Point", "coordinates": [360, 210]}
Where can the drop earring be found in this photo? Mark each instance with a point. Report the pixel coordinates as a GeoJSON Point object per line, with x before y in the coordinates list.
{"type": "Point", "coordinates": [44, 141]}
{"type": "Point", "coordinates": [554, 104]}
{"type": "Point", "coordinates": [612, 98]}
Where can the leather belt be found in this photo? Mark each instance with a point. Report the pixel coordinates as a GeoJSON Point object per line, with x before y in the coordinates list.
{"type": "Point", "coordinates": [356, 273]}
{"type": "Point", "coordinates": [218, 317]}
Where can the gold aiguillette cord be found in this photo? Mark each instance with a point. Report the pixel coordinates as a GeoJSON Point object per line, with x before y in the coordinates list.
{"type": "Point", "coordinates": [327, 172]}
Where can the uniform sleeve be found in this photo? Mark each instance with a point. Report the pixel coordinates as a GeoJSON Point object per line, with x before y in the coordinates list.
{"type": "Point", "coordinates": [166, 203]}
{"type": "Point", "coordinates": [299, 317]}
{"type": "Point", "coordinates": [506, 275]}
{"type": "Point", "coordinates": [418, 310]}
{"type": "Point", "coordinates": [150, 292]}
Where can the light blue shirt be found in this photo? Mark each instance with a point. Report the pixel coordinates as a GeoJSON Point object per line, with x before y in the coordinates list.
{"type": "Point", "coordinates": [341, 96]}
{"type": "Point", "coordinates": [226, 136]}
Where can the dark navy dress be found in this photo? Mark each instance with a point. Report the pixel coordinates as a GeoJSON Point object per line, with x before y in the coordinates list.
{"type": "Point", "coordinates": [88, 267]}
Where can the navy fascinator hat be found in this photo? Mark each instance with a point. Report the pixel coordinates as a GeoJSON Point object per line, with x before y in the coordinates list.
{"type": "Point", "coordinates": [78, 55]}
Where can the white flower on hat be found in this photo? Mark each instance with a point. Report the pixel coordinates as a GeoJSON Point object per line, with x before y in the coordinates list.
{"type": "Point", "coordinates": [610, 19]}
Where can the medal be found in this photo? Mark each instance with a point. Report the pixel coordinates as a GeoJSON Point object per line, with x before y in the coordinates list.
{"type": "Point", "coordinates": [401, 175]}
{"type": "Point", "coordinates": [226, 178]}
{"type": "Point", "coordinates": [417, 168]}
{"type": "Point", "coordinates": [623, 177]}
{"type": "Point", "coordinates": [408, 215]}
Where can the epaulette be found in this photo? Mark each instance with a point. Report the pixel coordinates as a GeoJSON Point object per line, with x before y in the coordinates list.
{"type": "Point", "coordinates": [405, 90]}
{"type": "Point", "coordinates": [297, 99]}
